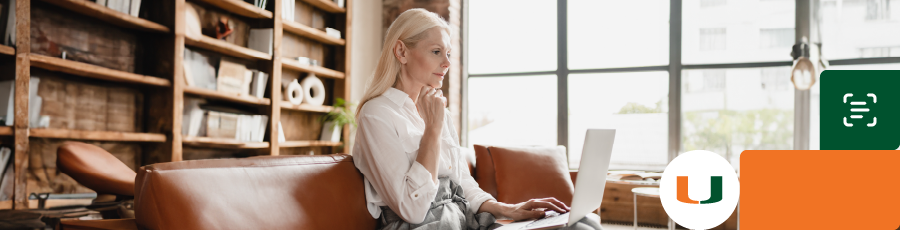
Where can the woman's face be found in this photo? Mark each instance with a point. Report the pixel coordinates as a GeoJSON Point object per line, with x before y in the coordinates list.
{"type": "Point", "coordinates": [429, 60]}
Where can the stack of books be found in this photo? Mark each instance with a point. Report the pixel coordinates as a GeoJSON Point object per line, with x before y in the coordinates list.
{"type": "Point", "coordinates": [231, 77]}
{"type": "Point", "coordinates": [205, 120]}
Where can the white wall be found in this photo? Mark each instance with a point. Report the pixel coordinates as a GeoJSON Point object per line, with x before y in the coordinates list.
{"type": "Point", "coordinates": [365, 43]}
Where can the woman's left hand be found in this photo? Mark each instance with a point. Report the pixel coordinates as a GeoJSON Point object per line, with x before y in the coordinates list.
{"type": "Point", "coordinates": [534, 208]}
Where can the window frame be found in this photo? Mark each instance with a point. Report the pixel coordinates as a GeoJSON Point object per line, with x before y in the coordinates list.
{"type": "Point", "coordinates": [805, 9]}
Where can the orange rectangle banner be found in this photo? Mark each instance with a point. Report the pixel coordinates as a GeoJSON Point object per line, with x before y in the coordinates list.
{"type": "Point", "coordinates": [820, 189]}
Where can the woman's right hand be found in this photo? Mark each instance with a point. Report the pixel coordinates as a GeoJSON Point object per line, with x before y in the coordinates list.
{"type": "Point", "coordinates": [431, 105]}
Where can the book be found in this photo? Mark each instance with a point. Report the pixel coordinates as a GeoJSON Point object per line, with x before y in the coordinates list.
{"type": "Point", "coordinates": [192, 116]}
{"type": "Point", "coordinates": [123, 6]}
{"type": "Point", "coordinates": [231, 77]}
{"type": "Point", "coordinates": [188, 75]}
{"type": "Point", "coordinates": [221, 125]}
{"type": "Point", "coordinates": [10, 38]}
{"type": "Point", "coordinates": [248, 81]}
{"type": "Point", "coordinates": [258, 86]}
{"type": "Point", "coordinates": [634, 176]}
{"type": "Point", "coordinates": [261, 40]}
{"type": "Point", "coordinates": [6, 180]}
{"type": "Point", "coordinates": [287, 7]}
{"type": "Point", "coordinates": [7, 97]}
{"type": "Point", "coordinates": [202, 68]}
{"type": "Point", "coordinates": [5, 155]}
{"type": "Point", "coordinates": [135, 7]}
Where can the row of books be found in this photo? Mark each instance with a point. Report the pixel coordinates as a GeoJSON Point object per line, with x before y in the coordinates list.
{"type": "Point", "coordinates": [231, 76]}
{"type": "Point", "coordinates": [7, 109]}
{"type": "Point", "coordinates": [131, 7]}
{"type": "Point", "coordinates": [205, 120]}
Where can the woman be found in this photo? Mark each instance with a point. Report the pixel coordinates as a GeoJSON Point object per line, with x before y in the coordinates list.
{"type": "Point", "coordinates": [415, 175]}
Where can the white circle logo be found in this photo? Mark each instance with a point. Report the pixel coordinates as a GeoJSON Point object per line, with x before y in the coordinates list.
{"type": "Point", "coordinates": [699, 189]}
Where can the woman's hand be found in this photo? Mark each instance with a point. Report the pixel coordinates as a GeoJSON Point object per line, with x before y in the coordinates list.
{"type": "Point", "coordinates": [535, 208]}
{"type": "Point", "coordinates": [531, 209]}
{"type": "Point", "coordinates": [431, 107]}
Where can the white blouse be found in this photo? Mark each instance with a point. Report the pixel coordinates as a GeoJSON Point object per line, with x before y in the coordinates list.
{"type": "Point", "coordinates": [387, 142]}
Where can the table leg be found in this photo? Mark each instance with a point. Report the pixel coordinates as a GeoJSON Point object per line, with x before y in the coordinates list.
{"type": "Point", "coordinates": [739, 215]}
{"type": "Point", "coordinates": [671, 224]}
{"type": "Point", "coordinates": [635, 209]}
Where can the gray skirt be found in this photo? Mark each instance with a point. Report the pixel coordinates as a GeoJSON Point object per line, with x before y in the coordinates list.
{"type": "Point", "coordinates": [450, 211]}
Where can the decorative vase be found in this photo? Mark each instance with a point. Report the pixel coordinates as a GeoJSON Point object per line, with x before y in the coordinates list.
{"type": "Point", "coordinates": [330, 132]}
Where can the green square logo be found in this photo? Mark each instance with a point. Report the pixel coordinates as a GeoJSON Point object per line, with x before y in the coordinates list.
{"type": "Point", "coordinates": [859, 110]}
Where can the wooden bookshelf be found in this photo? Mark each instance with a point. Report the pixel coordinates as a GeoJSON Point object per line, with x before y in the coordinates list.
{"type": "Point", "coordinates": [225, 48]}
{"type": "Point", "coordinates": [212, 94]}
{"type": "Point", "coordinates": [93, 71]}
{"type": "Point", "coordinates": [311, 33]}
{"type": "Point", "coordinates": [327, 5]}
{"type": "Point", "coordinates": [306, 107]}
{"type": "Point", "coordinates": [222, 143]}
{"type": "Point", "coordinates": [7, 50]}
{"type": "Point", "coordinates": [92, 9]}
{"type": "Point", "coordinates": [157, 42]}
{"type": "Point", "coordinates": [97, 135]}
{"type": "Point", "coordinates": [295, 65]}
{"type": "Point", "coordinates": [6, 131]}
{"type": "Point", "coordinates": [294, 144]}
{"type": "Point", "coordinates": [240, 7]}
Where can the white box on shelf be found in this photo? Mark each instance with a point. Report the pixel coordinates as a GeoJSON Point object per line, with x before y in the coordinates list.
{"type": "Point", "coordinates": [261, 40]}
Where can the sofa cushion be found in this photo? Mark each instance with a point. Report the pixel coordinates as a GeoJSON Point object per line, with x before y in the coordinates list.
{"type": "Point", "coordinates": [484, 170]}
{"type": "Point", "coordinates": [272, 192]}
{"type": "Point", "coordinates": [523, 173]}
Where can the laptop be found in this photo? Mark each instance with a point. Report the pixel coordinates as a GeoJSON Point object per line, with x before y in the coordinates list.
{"type": "Point", "coordinates": [589, 184]}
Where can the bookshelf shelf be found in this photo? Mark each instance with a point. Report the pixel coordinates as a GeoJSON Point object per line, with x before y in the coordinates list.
{"type": "Point", "coordinates": [306, 107]}
{"type": "Point", "coordinates": [222, 143]}
{"type": "Point", "coordinates": [295, 144]}
{"type": "Point", "coordinates": [6, 131]}
{"type": "Point", "coordinates": [97, 135]}
{"type": "Point", "coordinates": [91, 9]}
{"type": "Point", "coordinates": [212, 94]}
{"type": "Point", "coordinates": [295, 65]}
{"type": "Point", "coordinates": [311, 33]}
{"type": "Point", "coordinates": [326, 5]}
{"type": "Point", "coordinates": [240, 7]}
{"type": "Point", "coordinates": [7, 50]}
{"type": "Point", "coordinates": [226, 48]}
{"type": "Point", "coordinates": [93, 71]}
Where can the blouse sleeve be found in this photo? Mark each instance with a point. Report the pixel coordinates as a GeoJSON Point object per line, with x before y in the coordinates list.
{"type": "Point", "coordinates": [474, 194]}
{"type": "Point", "coordinates": [406, 188]}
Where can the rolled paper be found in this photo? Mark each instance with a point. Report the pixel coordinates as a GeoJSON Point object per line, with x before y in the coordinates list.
{"type": "Point", "coordinates": [294, 92]}
{"type": "Point", "coordinates": [313, 90]}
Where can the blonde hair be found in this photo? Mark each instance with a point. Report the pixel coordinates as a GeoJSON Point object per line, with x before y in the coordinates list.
{"type": "Point", "coordinates": [409, 27]}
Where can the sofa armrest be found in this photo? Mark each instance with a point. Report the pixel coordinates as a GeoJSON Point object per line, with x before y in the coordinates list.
{"type": "Point", "coordinates": [112, 224]}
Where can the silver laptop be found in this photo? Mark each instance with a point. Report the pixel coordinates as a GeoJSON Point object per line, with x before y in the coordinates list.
{"type": "Point", "coordinates": [589, 184]}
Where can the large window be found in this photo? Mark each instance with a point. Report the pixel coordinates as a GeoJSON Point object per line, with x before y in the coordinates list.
{"type": "Point", "coordinates": [548, 71]}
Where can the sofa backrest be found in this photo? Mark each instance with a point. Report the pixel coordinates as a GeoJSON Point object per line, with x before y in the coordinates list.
{"type": "Point", "coordinates": [516, 174]}
{"type": "Point", "coordinates": [271, 192]}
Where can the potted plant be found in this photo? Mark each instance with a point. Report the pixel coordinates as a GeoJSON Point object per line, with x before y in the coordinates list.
{"type": "Point", "coordinates": [334, 120]}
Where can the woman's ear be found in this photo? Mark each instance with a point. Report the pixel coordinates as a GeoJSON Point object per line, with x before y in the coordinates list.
{"type": "Point", "coordinates": [400, 51]}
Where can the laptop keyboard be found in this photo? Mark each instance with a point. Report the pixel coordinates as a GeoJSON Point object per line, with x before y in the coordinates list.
{"type": "Point", "coordinates": [550, 217]}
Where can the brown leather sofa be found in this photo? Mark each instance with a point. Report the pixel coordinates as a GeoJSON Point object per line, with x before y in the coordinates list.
{"type": "Point", "coordinates": [305, 192]}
